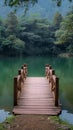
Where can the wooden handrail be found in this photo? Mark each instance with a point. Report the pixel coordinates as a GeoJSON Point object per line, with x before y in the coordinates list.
{"type": "Point", "coordinates": [21, 77]}
{"type": "Point", "coordinates": [18, 82]}
{"type": "Point", "coordinates": [53, 81]}
{"type": "Point", "coordinates": [15, 91]}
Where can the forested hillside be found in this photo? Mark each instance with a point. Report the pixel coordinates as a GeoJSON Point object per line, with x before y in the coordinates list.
{"type": "Point", "coordinates": [36, 35]}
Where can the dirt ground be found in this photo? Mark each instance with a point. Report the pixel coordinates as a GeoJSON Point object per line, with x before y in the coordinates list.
{"type": "Point", "coordinates": [32, 122]}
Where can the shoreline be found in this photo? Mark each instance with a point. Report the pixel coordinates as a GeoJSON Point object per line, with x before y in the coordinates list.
{"type": "Point", "coordinates": [65, 55]}
{"type": "Point", "coordinates": [35, 122]}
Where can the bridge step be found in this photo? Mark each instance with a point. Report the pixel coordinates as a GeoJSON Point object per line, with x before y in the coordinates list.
{"type": "Point", "coordinates": [37, 111]}
{"type": "Point", "coordinates": [36, 98]}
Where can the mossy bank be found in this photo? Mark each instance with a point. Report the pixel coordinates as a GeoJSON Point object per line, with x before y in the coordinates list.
{"type": "Point", "coordinates": [35, 122]}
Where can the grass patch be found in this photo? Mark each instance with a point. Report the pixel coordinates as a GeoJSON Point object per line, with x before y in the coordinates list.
{"type": "Point", "coordinates": [56, 119]}
{"type": "Point", "coordinates": [10, 119]}
{"type": "Point", "coordinates": [2, 127]}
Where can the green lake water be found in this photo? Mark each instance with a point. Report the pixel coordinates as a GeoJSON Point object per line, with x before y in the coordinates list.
{"type": "Point", "coordinates": [36, 67]}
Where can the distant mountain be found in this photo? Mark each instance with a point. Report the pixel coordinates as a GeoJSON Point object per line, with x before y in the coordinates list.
{"type": "Point", "coordinates": [45, 9]}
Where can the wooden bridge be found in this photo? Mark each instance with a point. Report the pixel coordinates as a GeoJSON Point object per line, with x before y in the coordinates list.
{"type": "Point", "coordinates": [36, 95]}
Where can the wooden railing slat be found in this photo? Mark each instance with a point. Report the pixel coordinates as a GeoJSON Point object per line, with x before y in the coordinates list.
{"type": "Point", "coordinates": [53, 81]}
{"type": "Point", "coordinates": [15, 91]}
{"type": "Point", "coordinates": [50, 73]}
{"type": "Point", "coordinates": [56, 91]}
{"type": "Point", "coordinates": [18, 81]}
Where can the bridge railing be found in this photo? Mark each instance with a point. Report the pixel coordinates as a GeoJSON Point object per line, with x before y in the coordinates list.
{"type": "Point", "coordinates": [54, 83]}
{"type": "Point", "coordinates": [19, 81]}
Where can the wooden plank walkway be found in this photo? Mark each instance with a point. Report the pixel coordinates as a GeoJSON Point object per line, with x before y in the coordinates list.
{"type": "Point", "coordinates": [36, 97]}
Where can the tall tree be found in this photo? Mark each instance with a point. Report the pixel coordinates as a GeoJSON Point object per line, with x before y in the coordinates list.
{"type": "Point", "coordinates": [65, 33]}
{"type": "Point", "coordinates": [2, 33]}
{"type": "Point", "coordinates": [13, 46]}
{"type": "Point", "coordinates": [57, 20]}
{"type": "Point", "coordinates": [2, 28]}
{"type": "Point", "coordinates": [38, 36]}
{"type": "Point", "coordinates": [11, 24]}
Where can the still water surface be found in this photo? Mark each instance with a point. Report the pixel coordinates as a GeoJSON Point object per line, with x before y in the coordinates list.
{"type": "Point", "coordinates": [63, 68]}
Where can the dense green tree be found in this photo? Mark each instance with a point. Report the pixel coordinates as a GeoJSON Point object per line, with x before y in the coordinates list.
{"type": "Point", "coordinates": [2, 28]}
{"type": "Point", "coordinates": [11, 24]}
{"type": "Point", "coordinates": [38, 36]}
{"type": "Point", "coordinates": [57, 20]}
{"type": "Point", "coordinates": [2, 33]}
{"type": "Point", "coordinates": [13, 45]}
{"type": "Point", "coordinates": [65, 33]}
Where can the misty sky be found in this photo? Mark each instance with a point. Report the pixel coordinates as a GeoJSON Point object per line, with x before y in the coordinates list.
{"type": "Point", "coordinates": [45, 9]}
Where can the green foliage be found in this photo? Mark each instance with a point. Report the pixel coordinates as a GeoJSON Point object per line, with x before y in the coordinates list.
{"type": "Point", "coordinates": [35, 35]}
{"type": "Point", "coordinates": [65, 34]}
{"type": "Point", "coordinates": [57, 20]}
{"type": "Point", "coordinates": [38, 37]}
{"type": "Point", "coordinates": [11, 24]}
{"type": "Point", "coordinates": [19, 2]}
{"type": "Point", "coordinates": [62, 123]}
{"type": "Point", "coordinates": [13, 45]}
{"type": "Point", "coordinates": [2, 28]}
{"type": "Point", "coordinates": [26, 2]}
{"type": "Point", "coordinates": [2, 127]}
{"type": "Point", "coordinates": [70, 49]}
{"type": "Point", "coordinates": [10, 119]}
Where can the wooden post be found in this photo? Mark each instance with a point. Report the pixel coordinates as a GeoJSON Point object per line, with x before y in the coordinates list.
{"type": "Point", "coordinates": [47, 65]}
{"type": "Point", "coordinates": [15, 91]}
{"type": "Point", "coordinates": [56, 91]}
{"type": "Point", "coordinates": [19, 72]}
{"type": "Point", "coordinates": [25, 65]}
{"type": "Point", "coordinates": [47, 68]}
{"type": "Point", "coordinates": [53, 72]}
{"type": "Point", "coordinates": [50, 67]}
{"type": "Point", "coordinates": [22, 66]}
{"type": "Point", "coordinates": [46, 71]}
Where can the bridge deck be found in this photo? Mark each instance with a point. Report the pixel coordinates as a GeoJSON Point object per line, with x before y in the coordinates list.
{"type": "Point", "coordinates": [36, 98]}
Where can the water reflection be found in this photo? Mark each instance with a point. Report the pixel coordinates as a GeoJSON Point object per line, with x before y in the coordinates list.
{"type": "Point", "coordinates": [3, 115]}
{"type": "Point", "coordinates": [67, 116]}
{"type": "Point", "coordinates": [63, 68]}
